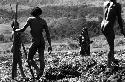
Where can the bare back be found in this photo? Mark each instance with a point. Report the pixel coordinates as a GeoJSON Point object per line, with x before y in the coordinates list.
{"type": "Point", "coordinates": [37, 25]}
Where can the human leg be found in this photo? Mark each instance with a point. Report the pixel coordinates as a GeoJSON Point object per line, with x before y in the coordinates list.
{"type": "Point", "coordinates": [14, 67]}
{"type": "Point", "coordinates": [41, 58]}
{"type": "Point", "coordinates": [31, 54]}
{"type": "Point", "coordinates": [82, 51]}
{"type": "Point", "coordinates": [20, 65]}
{"type": "Point", "coordinates": [15, 61]}
{"type": "Point", "coordinates": [110, 39]}
{"type": "Point", "coordinates": [111, 52]}
{"type": "Point", "coordinates": [87, 50]}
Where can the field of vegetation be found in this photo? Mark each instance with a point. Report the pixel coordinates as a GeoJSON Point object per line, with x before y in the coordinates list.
{"type": "Point", "coordinates": [65, 64]}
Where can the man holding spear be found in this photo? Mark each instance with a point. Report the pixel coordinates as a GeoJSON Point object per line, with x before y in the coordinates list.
{"type": "Point", "coordinates": [16, 48]}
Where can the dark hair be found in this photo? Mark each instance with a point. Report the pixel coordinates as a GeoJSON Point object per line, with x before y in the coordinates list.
{"type": "Point", "coordinates": [36, 11]}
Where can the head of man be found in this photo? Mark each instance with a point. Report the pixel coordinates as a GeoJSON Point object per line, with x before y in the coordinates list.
{"type": "Point", "coordinates": [36, 12]}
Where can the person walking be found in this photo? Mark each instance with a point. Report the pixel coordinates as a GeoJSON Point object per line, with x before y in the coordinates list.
{"type": "Point", "coordinates": [37, 26]}
{"type": "Point", "coordinates": [112, 12]}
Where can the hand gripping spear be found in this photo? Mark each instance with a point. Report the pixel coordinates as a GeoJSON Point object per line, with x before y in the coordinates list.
{"type": "Point", "coordinates": [16, 26]}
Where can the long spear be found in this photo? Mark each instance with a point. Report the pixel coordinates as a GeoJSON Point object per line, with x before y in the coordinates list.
{"type": "Point", "coordinates": [16, 12]}
{"type": "Point", "coordinates": [16, 24]}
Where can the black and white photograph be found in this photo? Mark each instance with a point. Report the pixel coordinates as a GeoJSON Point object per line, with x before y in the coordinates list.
{"type": "Point", "coordinates": [62, 40]}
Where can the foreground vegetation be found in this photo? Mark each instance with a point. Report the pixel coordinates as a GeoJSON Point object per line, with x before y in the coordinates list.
{"type": "Point", "coordinates": [66, 65]}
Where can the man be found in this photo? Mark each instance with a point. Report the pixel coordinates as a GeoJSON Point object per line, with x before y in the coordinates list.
{"type": "Point", "coordinates": [112, 12]}
{"type": "Point", "coordinates": [37, 25]}
{"type": "Point", "coordinates": [16, 51]}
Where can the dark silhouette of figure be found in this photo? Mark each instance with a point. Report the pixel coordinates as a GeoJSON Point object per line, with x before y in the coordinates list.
{"type": "Point", "coordinates": [17, 56]}
{"type": "Point", "coordinates": [37, 25]}
{"type": "Point", "coordinates": [112, 12]}
{"type": "Point", "coordinates": [84, 42]}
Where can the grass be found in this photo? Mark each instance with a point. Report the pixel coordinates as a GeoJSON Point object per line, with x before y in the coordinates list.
{"type": "Point", "coordinates": [5, 27]}
{"type": "Point", "coordinates": [63, 58]}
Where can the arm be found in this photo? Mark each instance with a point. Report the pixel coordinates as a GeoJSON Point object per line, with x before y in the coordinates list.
{"type": "Point", "coordinates": [105, 9]}
{"type": "Point", "coordinates": [120, 21]}
{"type": "Point", "coordinates": [22, 29]}
{"type": "Point", "coordinates": [25, 26]}
{"type": "Point", "coordinates": [48, 36]}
